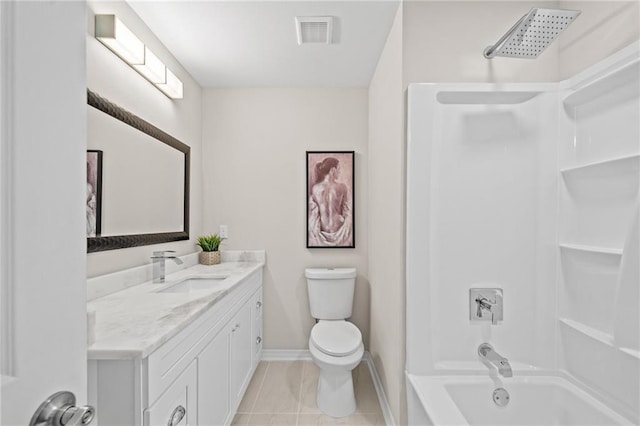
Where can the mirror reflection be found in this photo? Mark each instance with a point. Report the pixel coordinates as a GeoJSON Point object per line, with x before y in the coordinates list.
{"type": "Point", "coordinates": [137, 180]}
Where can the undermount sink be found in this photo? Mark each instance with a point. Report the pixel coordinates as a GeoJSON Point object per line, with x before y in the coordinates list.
{"type": "Point", "coordinates": [192, 284]}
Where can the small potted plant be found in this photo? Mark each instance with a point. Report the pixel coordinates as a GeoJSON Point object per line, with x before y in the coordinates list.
{"type": "Point", "coordinates": [209, 245]}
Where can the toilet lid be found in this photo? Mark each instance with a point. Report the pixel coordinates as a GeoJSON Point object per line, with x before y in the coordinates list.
{"type": "Point", "coordinates": [336, 338]}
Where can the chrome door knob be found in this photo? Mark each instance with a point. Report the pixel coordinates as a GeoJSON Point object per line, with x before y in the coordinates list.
{"type": "Point", "coordinates": [60, 410]}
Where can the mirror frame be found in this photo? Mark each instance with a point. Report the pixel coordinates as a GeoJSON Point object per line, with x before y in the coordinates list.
{"type": "Point", "coordinates": [96, 244]}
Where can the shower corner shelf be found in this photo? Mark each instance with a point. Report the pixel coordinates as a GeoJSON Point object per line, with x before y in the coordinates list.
{"type": "Point", "coordinates": [631, 161]}
{"type": "Point", "coordinates": [592, 249]}
{"type": "Point", "coordinates": [597, 335]}
{"type": "Point", "coordinates": [588, 331]}
{"type": "Point", "coordinates": [595, 88]}
{"type": "Point", "coordinates": [634, 353]}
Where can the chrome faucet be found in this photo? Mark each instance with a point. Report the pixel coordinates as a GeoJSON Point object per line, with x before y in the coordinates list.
{"type": "Point", "coordinates": [159, 258]}
{"type": "Point", "coordinates": [490, 357]}
{"type": "Point", "coordinates": [485, 304]}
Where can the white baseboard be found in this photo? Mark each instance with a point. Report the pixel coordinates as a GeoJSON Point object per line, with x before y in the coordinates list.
{"type": "Point", "coordinates": [286, 355]}
{"type": "Point", "coordinates": [305, 355]}
{"type": "Point", "coordinates": [382, 396]}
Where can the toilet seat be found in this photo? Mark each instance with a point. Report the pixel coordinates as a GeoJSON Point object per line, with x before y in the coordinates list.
{"type": "Point", "coordinates": [336, 338]}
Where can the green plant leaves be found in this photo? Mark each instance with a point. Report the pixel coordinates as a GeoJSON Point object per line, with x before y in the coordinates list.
{"type": "Point", "coordinates": [210, 242]}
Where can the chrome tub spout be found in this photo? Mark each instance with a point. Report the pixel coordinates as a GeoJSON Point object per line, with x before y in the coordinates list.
{"type": "Point", "coordinates": [491, 358]}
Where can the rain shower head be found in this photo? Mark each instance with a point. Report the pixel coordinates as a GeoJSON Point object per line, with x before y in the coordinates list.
{"type": "Point", "coordinates": [532, 33]}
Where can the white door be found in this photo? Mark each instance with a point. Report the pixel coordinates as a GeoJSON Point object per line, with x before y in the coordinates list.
{"type": "Point", "coordinates": [42, 224]}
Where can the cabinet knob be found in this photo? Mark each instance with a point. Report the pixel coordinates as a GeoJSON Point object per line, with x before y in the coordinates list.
{"type": "Point", "coordinates": [258, 304]}
{"type": "Point", "coordinates": [258, 340]}
{"type": "Point", "coordinates": [177, 416]}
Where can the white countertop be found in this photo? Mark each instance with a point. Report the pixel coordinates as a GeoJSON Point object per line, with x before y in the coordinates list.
{"type": "Point", "coordinates": [134, 322]}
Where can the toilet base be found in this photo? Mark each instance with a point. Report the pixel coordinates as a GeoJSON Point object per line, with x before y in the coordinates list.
{"type": "Point", "coordinates": [335, 393]}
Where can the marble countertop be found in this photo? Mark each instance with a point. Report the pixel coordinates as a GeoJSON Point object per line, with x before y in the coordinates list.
{"type": "Point", "coordinates": [134, 322]}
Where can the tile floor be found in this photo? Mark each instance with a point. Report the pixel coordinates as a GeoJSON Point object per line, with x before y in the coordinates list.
{"type": "Point", "coordinates": [284, 394]}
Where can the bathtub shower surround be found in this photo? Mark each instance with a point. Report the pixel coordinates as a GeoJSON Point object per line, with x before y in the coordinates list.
{"type": "Point", "coordinates": [534, 400]}
{"type": "Point", "coordinates": [532, 189]}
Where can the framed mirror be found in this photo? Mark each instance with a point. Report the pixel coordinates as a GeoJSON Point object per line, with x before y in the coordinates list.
{"type": "Point", "coordinates": [137, 180]}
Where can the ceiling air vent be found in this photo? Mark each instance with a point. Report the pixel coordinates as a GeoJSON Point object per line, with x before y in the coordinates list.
{"type": "Point", "coordinates": [314, 29]}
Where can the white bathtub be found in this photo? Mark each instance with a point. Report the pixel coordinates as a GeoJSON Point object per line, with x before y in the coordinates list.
{"type": "Point", "coordinates": [535, 401]}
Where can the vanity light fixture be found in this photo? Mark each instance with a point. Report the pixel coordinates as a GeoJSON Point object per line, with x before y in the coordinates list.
{"type": "Point", "coordinates": [152, 69]}
{"type": "Point", "coordinates": [111, 32]}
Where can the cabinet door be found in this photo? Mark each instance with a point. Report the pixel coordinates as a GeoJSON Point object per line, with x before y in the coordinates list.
{"type": "Point", "coordinates": [241, 352]}
{"type": "Point", "coordinates": [178, 405]}
{"type": "Point", "coordinates": [213, 383]}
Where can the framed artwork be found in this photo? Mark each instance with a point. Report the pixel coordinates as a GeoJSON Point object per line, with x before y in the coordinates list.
{"type": "Point", "coordinates": [330, 199]}
{"type": "Point", "coordinates": [94, 192]}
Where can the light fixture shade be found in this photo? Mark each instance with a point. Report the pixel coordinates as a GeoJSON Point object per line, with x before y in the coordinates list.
{"type": "Point", "coordinates": [173, 88]}
{"type": "Point", "coordinates": [152, 69]}
{"type": "Point", "coordinates": [120, 40]}
{"type": "Point", "coordinates": [111, 32]}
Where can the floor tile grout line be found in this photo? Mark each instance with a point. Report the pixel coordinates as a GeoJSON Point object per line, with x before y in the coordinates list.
{"type": "Point", "coordinates": [264, 377]}
{"type": "Point", "coordinates": [304, 370]}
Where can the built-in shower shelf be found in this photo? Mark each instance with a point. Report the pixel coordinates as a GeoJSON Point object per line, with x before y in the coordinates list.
{"type": "Point", "coordinates": [589, 331]}
{"type": "Point", "coordinates": [598, 335]}
{"type": "Point", "coordinates": [627, 77]}
{"type": "Point", "coordinates": [627, 162]}
{"type": "Point", "coordinates": [592, 249]}
{"type": "Point", "coordinates": [634, 353]}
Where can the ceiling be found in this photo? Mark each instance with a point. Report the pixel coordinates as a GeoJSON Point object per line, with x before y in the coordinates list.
{"type": "Point", "coordinates": [254, 44]}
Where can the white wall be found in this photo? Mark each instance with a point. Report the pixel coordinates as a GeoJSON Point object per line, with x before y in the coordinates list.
{"type": "Point", "coordinates": [603, 28]}
{"type": "Point", "coordinates": [386, 219]}
{"type": "Point", "coordinates": [113, 79]}
{"type": "Point", "coordinates": [444, 41]}
{"type": "Point", "coordinates": [254, 143]}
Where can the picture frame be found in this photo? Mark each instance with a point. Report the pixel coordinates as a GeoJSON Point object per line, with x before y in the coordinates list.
{"type": "Point", "coordinates": [330, 199]}
{"type": "Point", "coordinates": [94, 193]}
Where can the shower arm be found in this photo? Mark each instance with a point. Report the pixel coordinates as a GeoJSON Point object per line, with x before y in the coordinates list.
{"type": "Point", "coordinates": [490, 51]}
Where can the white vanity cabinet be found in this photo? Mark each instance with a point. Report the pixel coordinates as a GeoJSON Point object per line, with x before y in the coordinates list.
{"type": "Point", "coordinates": [225, 368]}
{"type": "Point", "coordinates": [240, 353]}
{"type": "Point", "coordinates": [213, 390]}
{"type": "Point", "coordinates": [256, 320]}
{"type": "Point", "coordinates": [178, 405]}
{"type": "Point", "coordinates": [198, 377]}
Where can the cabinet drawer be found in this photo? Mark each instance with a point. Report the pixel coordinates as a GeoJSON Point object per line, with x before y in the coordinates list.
{"type": "Point", "coordinates": [178, 406]}
{"type": "Point", "coordinates": [166, 363]}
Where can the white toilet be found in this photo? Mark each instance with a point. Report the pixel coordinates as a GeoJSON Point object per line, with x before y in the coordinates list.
{"type": "Point", "coordinates": [335, 344]}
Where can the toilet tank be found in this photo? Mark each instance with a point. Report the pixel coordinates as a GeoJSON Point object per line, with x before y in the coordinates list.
{"type": "Point", "coordinates": [331, 292]}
